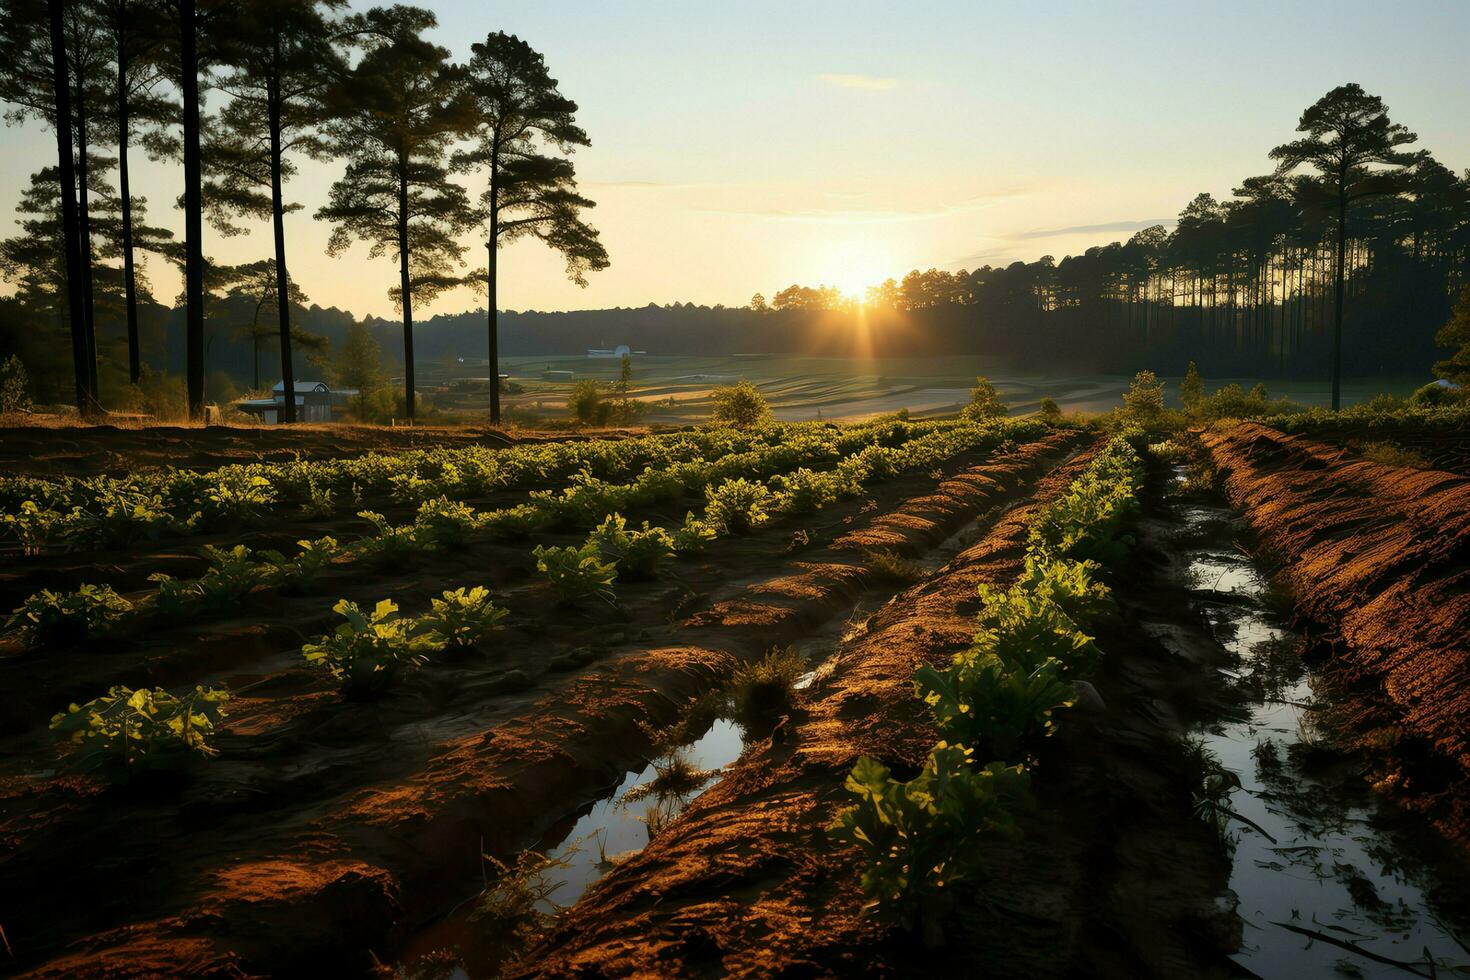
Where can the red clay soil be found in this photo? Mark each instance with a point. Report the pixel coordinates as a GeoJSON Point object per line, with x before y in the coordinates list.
{"type": "Point", "coordinates": [1380, 556]}
{"type": "Point", "coordinates": [746, 883]}
{"type": "Point", "coordinates": [337, 868]}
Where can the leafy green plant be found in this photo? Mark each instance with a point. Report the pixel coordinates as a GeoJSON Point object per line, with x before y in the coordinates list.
{"type": "Point", "coordinates": [918, 837]}
{"type": "Point", "coordinates": [985, 402]}
{"type": "Point", "coordinates": [34, 527]}
{"type": "Point", "coordinates": [175, 598]}
{"type": "Point", "coordinates": [462, 618]}
{"type": "Point", "coordinates": [393, 543]}
{"type": "Point", "coordinates": [638, 553]}
{"type": "Point", "coordinates": [997, 709]}
{"type": "Point", "coordinates": [450, 521]}
{"type": "Point", "coordinates": [515, 522]}
{"type": "Point", "coordinates": [368, 652]}
{"type": "Point", "coordinates": [143, 729]}
{"type": "Point", "coordinates": [577, 572]}
{"type": "Point", "coordinates": [299, 574]}
{"type": "Point", "coordinates": [57, 618]}
{"type": "Point", "coordinates": [234, 495]}
{"type": "Point", "coordinates": [737, 506]}
{"type": "Point", "coordinates": [1069, 585]}
{"type": "Point", "coordinates": [231, 576]}
{"type": "Point", "coordinates": [692, 535]}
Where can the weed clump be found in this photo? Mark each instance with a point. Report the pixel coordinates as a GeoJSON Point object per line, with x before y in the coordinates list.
{"type": "Point", "coordinates": [760, 692]}
{"type": "Point", "coordinates": [891, 568]}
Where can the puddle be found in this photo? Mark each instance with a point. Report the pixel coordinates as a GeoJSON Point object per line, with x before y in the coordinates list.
{"type": "Point", "coordinates": [1338, 862]}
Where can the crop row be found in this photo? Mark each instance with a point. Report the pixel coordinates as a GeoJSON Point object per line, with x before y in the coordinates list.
{"type": "Point", "coordinates": [737, 499]}
{"type": "Point", "coordinates": [369, 650]}
{"type": "Point", "coordinates": [45, 515]}
{"type": "Point", "coordinates": [994, 701]}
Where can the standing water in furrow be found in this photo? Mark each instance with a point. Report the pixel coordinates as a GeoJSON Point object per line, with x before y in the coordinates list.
{"type": "Point", "coordinates": [1328, 877]}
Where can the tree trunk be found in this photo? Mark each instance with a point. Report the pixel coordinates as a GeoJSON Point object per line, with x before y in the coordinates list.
{"type": "Point", "coordinates": [494, 332]}
{"type": "Point", "coordinates": [84, 232]}
{"type": "Point", "coordinates": [1337, 305]}
{"type": "Point", "coordinates": [86, 405]}
{"type": "Point", "coordinates": [404, 282]}
{"type": "Point", "coordinates": [278, 216]}
{"type": "Point", "coordinates": [130, 293]}
{"type": "Point", "coordinates": [193, 214]}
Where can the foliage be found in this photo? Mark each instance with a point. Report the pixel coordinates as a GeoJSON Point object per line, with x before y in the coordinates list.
{"type": "Point", "coordinates": [462, 618]}
{"type": "Point", "coordinates": [577, 573]}
{"type": "Point", "coordinates": [511, 907]}
{"type": "Point", "coordinates": [1144, 400]}
{"type": "Point", "coordinates": [638, 553]}
{"type": "Point", "coordinates": [392, 543]}
{"type": "Point", "coordinates": [299, 573]}
{"type": "Point", "coordinates": [891, 567]}
{"type": "Point", "coordinates": [232, 574]}
{"type": "Point", "coordinates": [737, 506]}
{"type": "Point", "coordinates": [15, 386]}
{"type": "Point", "coordinates": [1084, 522]}
{"type": "Point", "coordinates": [1192, 388]}
{"type": "Point", "coordinates": [57, 618]}
{"type": "Point", "coordinates": [741, 405]}
{"type": "Point", "coordinates": [143, 729]}
{"type": "Point", "coordinates": [692, 535]}
{"type": "Point", "coordinates": [918, 838]}
{"type": "Point", "coordinates": [998, 710]}
{"type": "Point", "coordinates": [368, 652]}
{"type": "Point", "coordinates": [1455, 334]}
{"type": "Point", "coordinates": [34, 527]}
{"type": "Point", "coordinates": [1390, 454]}
{"type": "Point", "coordinates": [985, 402]}
{"type": "Point", "coordinates": [450, 522]}
{"type": "Point", "coordinates": [1049, 410]}
{"type": "Point", "coordinates": [585, 403]}
{"type": "Point", "coordinates": [759, 692]}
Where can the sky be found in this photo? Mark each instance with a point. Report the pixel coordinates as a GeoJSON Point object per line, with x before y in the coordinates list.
{"type": "Point", "coordinates": [743, 147]}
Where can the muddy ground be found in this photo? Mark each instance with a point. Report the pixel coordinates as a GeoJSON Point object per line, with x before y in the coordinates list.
{"type": "Point", "coordinates": [326, 833]}
{"type": "Point", "coordinates": [1115, 876]}
{"type": "Point", "coordinates": [1378, 559]}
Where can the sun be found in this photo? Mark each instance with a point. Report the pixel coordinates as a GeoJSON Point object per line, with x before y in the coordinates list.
{"type": "Point", "coordinates": [855, 264]}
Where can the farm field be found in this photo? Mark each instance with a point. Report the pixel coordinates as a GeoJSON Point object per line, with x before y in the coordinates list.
{"type": "Point", "coordinates": [801, 389]}
{"type": "Point", "coordinates": [454, 704]}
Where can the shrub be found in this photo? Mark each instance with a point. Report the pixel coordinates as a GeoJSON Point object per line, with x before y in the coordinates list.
{"type": "Point", "coordinates": [143, 729]}
{"type": "Point", "coordinates": [1389, 454]}
{"type": "Point", "coordinates": [15, 387]}
{"type": "Point", "coordinates": [741, 405]}
{"type": "Point", "coordinates": [1143, 402]}
{"type": "Point", "coordinates": [737, 506]}
{"type": "Point", "coordinates": [918, 838]}
{"type": "Point", "coordinates": [1437, 394]}
{"type": "Point", "coordinates": [985, 402]}
{"type": "Point", "coordinates": [1192, 388]}
{"type": "Point", "coordinates": [585, 403]}
{"type": "Point", "coordinates": [367, 653]}
{"type": "Point", "coordinates": [1049, 410]}
{"type": "Point", "coordinates": [56, 618]}
{"type": "Point", "coordinates": [462, 618]}
{"type": "Point", "coordinates": [577, 573]}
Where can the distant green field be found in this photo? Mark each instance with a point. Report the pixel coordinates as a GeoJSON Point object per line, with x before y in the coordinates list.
{"type": "Point", "coordinates": [801, 388]}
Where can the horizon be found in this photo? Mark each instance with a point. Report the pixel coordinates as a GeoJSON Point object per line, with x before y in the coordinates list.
{"type": "Point", "coordinates": [819, 197]}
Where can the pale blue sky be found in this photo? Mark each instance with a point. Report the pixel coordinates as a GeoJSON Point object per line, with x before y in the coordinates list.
{"type": "Point", "coordinates": [745, 146]}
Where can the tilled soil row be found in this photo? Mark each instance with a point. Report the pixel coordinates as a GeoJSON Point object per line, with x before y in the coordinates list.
{"type": "Point", "coordinates": [1380, 557]}
{"type": "Point", "coordinates": [323, 887]}
{"type": "Point", "coordinates": [747, 883]}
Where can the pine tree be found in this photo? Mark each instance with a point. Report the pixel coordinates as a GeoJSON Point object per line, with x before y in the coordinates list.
{"type": "Point", "coordinates": [1456, 334]}
{"type": "Point", "coordinates": [394, 117]}
{"type": "Point", "coordinates": [1192, 388]}
{"type": "Point", "coordinates": [530, 193]}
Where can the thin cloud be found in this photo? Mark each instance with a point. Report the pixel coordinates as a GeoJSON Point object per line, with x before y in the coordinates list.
{"type": "Point", "coordinates": [848, 211]}
{"type": "Point", "coordinates": [1093, 229]}
{"type": "Point", "coordinates": [870, 83]}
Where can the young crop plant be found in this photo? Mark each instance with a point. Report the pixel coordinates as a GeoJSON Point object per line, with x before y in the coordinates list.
{"type": "Point", "coordinates": [449, 521]}
{"type": "Point", "coordinates": [232, 575]}
{"type": "Point", "coordinates": [1069, 585]}
{"type": "Point", "coordinates": [760, 692]}
{"type": "Point", "coordinates": [298, 575]}
{"type": "Point", "coordinates": [737, 506]}
{"type": "Point", "coordinates": [393, 543]}
{"type": "Point", "coordinates": [234, 495]}
{"type": "Point", "coordinates": [919, 838]}
{"type": "Point", "coordinates": [143, 730]}
{"type": "Point", "coordinates": [692, 536]}
{"type": "Point", "coordinates": [462, 619]}
{"type": "Point", "coordinates": [516, 522]}
{"type": "Point", "coordinates": [34, 527]}
{"type": "Point", "coordinates": [577, 573]}
{"type": "Point", "coordinates": [998, 710]}
{"type": "Point", "coordinates": [59, 618]}
{"type": "Point", "coordinates": [638, 553]}
{"type": "Point", "coordinates": [369, 652]}
{"type": "Point", "coordinates": [116, 518]}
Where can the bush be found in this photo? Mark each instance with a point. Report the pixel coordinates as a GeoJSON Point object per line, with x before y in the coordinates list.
{"type": "Point", "coordinates": [1437, 394]}
{"type": "Point", "coordinates": [15, 386]}
{"type": "Point", "coordinates": [1049, 410]}
{"type": "Point", "coordinates": [585, 404]}
{"type": "Point", "coordinates": [577, 573]}
{"type": "Point", "coordinates": [737, 506]}
{"type": "Point", "coordinates": [1389, 454]}
{"type": "Point", "coordinates": [1144, 400]}
{"type": "Point", "coordinates": [758, 693]}
{"type": "Point", "coordinates": [367, 653]}
{"type": "Point", "coordinates": [56, 618]}
{"type": "Point", "coordinates": [143, 729]}
{"type": "Point", "coordinates": [1192, 388]}
{"type": "Point", "coordinates": [985, 402]}
{"type": "Point", "coordinates": [638, 553]}
{"type": "Point", "coordinates": [741, 405]}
